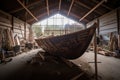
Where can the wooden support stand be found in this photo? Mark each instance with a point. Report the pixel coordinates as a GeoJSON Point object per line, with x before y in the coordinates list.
{"type": "Point", "coordinates": [119, 41]}
{"type": "Point", "coordinates": [95, 57]}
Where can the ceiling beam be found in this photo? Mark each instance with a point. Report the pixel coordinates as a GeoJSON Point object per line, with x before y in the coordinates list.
{"type": "Point", "coordinates": [27, 10]}
{"type": "Point", "coordinates": [92, 10]}
{"type": "Point", "coordinates": [59, 5]}
{"type": "Point", "coordinates": [30, 20]}
{"type": "Point", "coordinates": [70, 7]}
{"type": "Point", "coordinates": [32, 4]}
{"type": "Point", "coordinates": [47, 7]}
{"type": "Point", "coordinates": [43, 14]}
{"type": "Point", "coordinates": [84, 5]}
{"type": "Point", "coordinates": [75, 15]}
{"type": "Point", "coordinates": [103, 5]}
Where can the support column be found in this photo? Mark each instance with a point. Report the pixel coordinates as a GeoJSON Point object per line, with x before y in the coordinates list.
{"type": "Point", "coordinates": [95, 56]}
{"type": "Point", "coordinates": [25, 31]}
{"type": "Point", "coordinates": [118, 26]}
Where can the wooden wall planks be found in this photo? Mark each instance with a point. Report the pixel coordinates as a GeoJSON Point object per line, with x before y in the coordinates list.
{"type": "Point", "coordinates": [17, 25]}
{"type": "Point", "coordinates": [107, 22]}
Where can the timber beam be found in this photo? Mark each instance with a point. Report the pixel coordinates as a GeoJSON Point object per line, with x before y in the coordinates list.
{"type": "Point", "coordinates": [47, 3]}
{"type": "Point", "coordinates": [92, 9]}
{"type": "Point", "coordinates": [70, 7]}
{"type": "Point", "coordinates": [27, 10]}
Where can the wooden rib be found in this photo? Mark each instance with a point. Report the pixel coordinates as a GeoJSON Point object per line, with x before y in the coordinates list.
{"type": "Point", "coordinates": [80, 3]}
{"type": "Point", "coordinates": [102, 5]}
{"type": "Point", "coordinates": [16, 10]}
{"type": "Point", "coordinates": [47, 7]}
{"type": "Point", "coordinates": [70, 7]}
{"type": "Point", "coordinates": [27, 10]}
{"type": "Point", "coordinates": [59, 5]}
{"type": "Point", "coordinates": [92, 10]}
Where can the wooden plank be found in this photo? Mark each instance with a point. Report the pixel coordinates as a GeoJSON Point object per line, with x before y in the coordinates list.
{"type": "Point", "coordinates": [107, 31]}
{"type": "Point", "coordinates": [70, 7]}
{"type": "Point", "coordinates": [18, 28]}
{"type": "Point", "coordinates": [16, 20]}
{"type": "Point", "coordinates": [103, 5]}
{"type": "Point", "coordinates": [110, 26]}
{"type": "Point", "coordinates": [27, 10]}
{"type": "Point", "coordinates": [47, 7]}
{"type": "Point", "coordinates": [92, 10]}
{"type": "Point", "coordinates": [4, 20]}
{"type": "Point", "coordinates": [32, 4]}
{"type": "Point", "coordinates": [108, 18]}
{"type": "Point", "coordinates": [91, 23]}
{"type": "Point", "coordinates": [5, 24]}
{"type": "Point", "coordinates": [59, 5]}
{"type": "Point", "coordinates": [86, 6]}
{"type": "Point", "coordinates": [5, 15]}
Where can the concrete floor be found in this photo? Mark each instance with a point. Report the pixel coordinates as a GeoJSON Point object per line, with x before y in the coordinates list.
{"type": "Point", "coordinates": [108, 68]}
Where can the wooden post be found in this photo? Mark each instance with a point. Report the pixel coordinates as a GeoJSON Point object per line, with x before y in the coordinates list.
{"type": "Point", "coordinates": [25, 30]}
{"type": "Point", "coordinates": [98, 27]}
{"type": "Point", "coordinates": [12, 22]}
{"type": "Point", "coordinates": [95, 56]}
{"type": "Point", "coordinates": [118, 26]}
{"type": "Point", "coordinates": [25, 24]}
{"type": "Point", "coordinates": [119, 41]}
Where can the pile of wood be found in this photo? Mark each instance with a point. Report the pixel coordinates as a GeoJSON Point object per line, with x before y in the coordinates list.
{"type": "Point", "coordinates": [105, 52]}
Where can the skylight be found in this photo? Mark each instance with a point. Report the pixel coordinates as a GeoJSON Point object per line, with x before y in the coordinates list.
{"type": "Point", "coordinates": [57, 25]}
{"type": "Point", "coordinates": [57, 19]}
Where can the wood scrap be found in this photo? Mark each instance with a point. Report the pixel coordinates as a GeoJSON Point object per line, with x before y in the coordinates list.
{"type": "Point", "coordinates": [70, 64]}
{"type": "Point", "coordinates": [106, 52]}
{"type": "Point", "coordinates": [41, 55]}
{"type": "Point", "coordinates": [77, 76]}
{"type": "Point", "coordinates": [103, 53]}
{"type": "Point", "coordinates": [113, 43]}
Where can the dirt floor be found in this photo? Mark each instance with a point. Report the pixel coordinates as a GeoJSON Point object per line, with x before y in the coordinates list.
{"type": "Point", "coordinates": [21, 68]}
{"type": "Point", "coordinates": [28, 66]}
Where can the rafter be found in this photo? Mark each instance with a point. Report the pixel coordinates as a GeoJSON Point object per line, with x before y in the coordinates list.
{"type": "Point", "coordinates": [80, 3]}
{"type": "Point", "coordinates": [70, 7]}
{"type": "Point", "coordinates": [37, 17]}
{"type": "Point", "coordinates": [92, 10]}
{"type": "Point", "coordinates": [59, 5]}
{"type": "Point", "coordinates": [27, 10]}
{"type": "Point", "coordinates": [47, 7]}
{"type": "Point", "coordinates": [75, 15]}
{"type": "Point", "coordinates": [43, 14]}
{"type": "Point", "coordinates": [19, 9]}
{"type": "Point", "coordinates": [103, 5]}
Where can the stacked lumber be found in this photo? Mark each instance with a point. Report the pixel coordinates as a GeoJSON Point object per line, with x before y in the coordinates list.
{"type": "Point", "coordinates": [105, 52]}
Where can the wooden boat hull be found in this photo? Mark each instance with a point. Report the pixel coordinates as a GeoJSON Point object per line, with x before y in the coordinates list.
{"type": "Point", "coordinates": [70, 46]}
